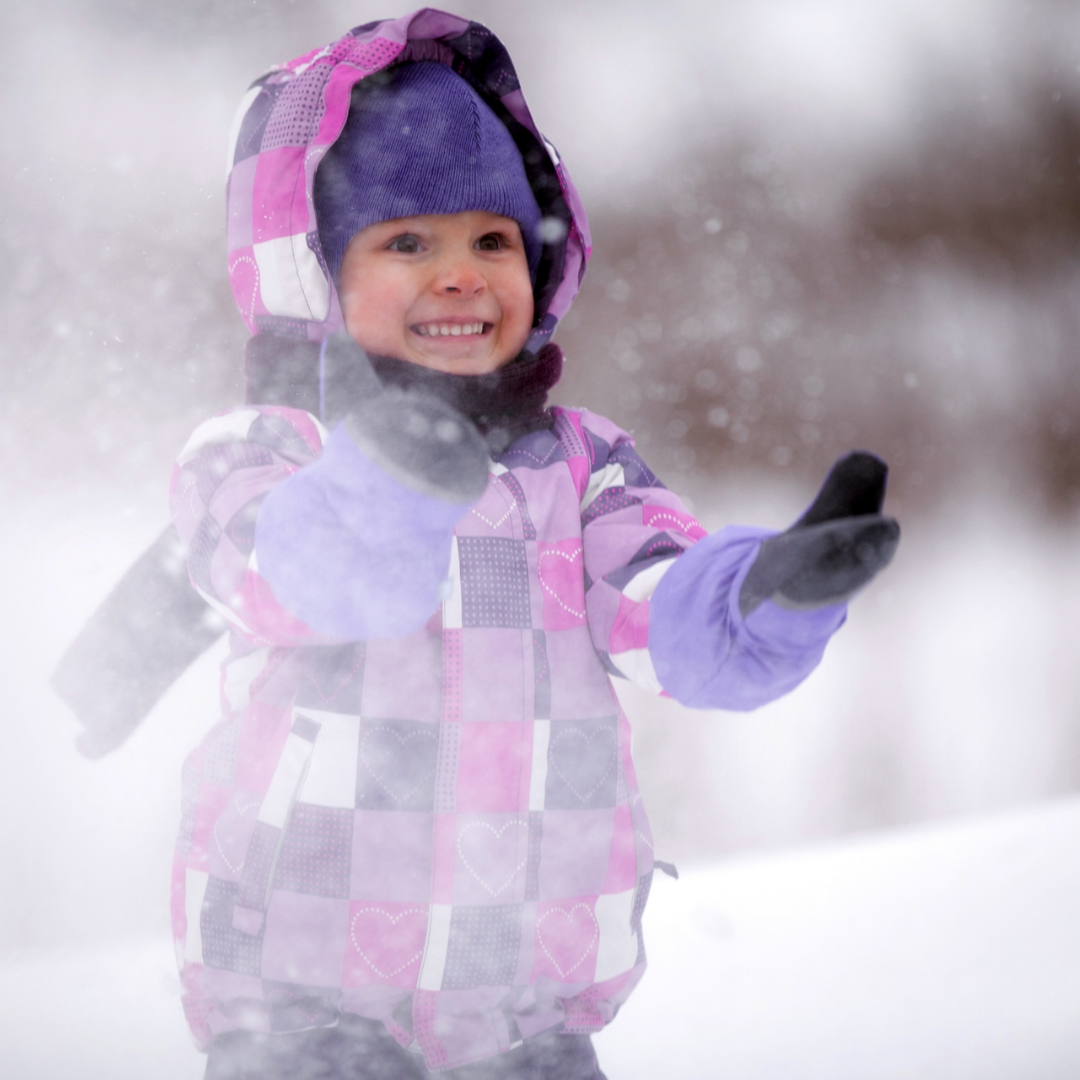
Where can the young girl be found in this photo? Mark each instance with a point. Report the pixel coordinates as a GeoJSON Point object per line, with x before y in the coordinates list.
{"type": "Point", "coordinates": [415, 840]}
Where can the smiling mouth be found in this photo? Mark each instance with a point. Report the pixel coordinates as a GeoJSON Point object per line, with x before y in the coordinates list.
{"type": "Point", "coordinates": [449, 329]}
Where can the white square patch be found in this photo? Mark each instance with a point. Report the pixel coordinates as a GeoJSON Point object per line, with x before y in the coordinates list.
{"type": "Point", "coordinates": [618, 948]}
{"type": "Point", "coordinates": [331, 773]}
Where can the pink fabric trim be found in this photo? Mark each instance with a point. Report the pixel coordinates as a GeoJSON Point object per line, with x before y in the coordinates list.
{"type": "Point", "coordinates": [631, 627]}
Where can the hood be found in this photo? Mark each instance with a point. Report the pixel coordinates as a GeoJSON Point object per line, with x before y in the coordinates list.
{"type": "Point", "coordinates": [293, 114]}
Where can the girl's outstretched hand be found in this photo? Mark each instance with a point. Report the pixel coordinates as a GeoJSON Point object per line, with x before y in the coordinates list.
{"type": "Point", "coordinates": [834, 549]}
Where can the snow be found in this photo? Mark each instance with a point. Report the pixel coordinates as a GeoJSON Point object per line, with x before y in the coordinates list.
{"type": "Point", "coordinates": [944, 952]}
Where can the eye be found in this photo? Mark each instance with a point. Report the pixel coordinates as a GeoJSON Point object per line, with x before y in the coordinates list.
{"type": "Point", "coordinates": [491, 242]}
{"type": "Point", "coordinates": [407, 244]}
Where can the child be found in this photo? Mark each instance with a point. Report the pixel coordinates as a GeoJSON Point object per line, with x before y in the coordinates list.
{"type": "Point", "coordinates": [415, 841]}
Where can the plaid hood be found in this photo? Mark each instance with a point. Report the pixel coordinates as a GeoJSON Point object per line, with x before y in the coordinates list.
{"type": "Point", "coordinates": [294, 113]}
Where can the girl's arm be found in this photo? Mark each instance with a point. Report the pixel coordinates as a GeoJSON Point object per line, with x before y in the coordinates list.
{"type": "Point", "coordinates": [220, 481]}
{"type": "Point", "coordinates": [667, 604]}
{"type": "Point", "coordinates": [299, 536]}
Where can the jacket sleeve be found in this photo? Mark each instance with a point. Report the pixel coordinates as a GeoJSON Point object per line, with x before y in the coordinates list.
{"type": "Point", "coordinates": [220, 480]}
{"type": "Point", "coordinates": [662, 595]}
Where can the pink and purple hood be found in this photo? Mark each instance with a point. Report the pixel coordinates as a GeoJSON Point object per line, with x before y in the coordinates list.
{"type": "Point", "coordinates": [291, 116]}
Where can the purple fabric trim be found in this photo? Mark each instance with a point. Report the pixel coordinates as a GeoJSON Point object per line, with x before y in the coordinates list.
{"type": "Point", "coordinates": [706, 655]}
{"type": "Point", "coordinates": [351, 551]}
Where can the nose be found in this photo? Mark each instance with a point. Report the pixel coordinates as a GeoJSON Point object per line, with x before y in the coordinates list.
{"type": "Point", "coordinates": [458, 276]}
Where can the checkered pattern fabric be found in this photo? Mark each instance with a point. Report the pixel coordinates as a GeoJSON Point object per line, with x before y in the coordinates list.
{"type": "Point", "coordinates": [295, 112]}
{"type": "Point", "coordinates": [442, 832]}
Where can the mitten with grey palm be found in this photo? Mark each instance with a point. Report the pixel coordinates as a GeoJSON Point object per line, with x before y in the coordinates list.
{"type": "Point", "coordinates": [745, 614]}
{"type": "Point", "coordinates": [358, 544]}
{"type": "Point", "coordinates": [834, 549]}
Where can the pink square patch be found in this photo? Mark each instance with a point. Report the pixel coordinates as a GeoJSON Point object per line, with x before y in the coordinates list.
{"type": "Point", "coordinates": [279, 202]}
{"type": "Point", "coordinates": [677, 521]}
{"type": "Point", "coordinates": [561, 569]}
{"type": "Point", "coordinates": [244, 281]}
{"type": "Point", "coordinates": [567, 939]}
{"type": "Point", "coordinates": [385, 944]}
{"type": "Point", "coordinates": [493, 759]}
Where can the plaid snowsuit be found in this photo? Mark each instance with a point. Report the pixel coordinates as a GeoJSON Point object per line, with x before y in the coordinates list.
{"type": "Point", "coordinates": [441, 832]}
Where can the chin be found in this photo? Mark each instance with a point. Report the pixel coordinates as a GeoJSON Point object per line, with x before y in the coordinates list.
{"type": "Point", "coordinates": [460, 365]}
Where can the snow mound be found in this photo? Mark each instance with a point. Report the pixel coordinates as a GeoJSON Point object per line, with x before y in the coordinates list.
{"type": "Point", "coordinates": [947, 953]}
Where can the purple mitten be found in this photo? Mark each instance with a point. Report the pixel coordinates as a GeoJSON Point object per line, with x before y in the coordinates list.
{"type": "Point", "coordinates": [358, 544]}
{"type": "Point", "coordinates": [706, 653]}
{"type": "Point", "coordinates": [351, 550]}
{"type": "Point", "coordinates": [745, 615]}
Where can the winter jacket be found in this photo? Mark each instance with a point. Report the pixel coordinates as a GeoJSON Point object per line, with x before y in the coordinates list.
{"type": "Point", "coordinates": [441, 831]}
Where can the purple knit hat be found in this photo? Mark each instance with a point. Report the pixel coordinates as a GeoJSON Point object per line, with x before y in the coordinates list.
{"type": "Point", "coordinates": [422, 141]}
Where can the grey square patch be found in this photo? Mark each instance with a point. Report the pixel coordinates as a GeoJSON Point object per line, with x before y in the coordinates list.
{"type": "Point", "coordinates": [583, 764]}
{"type": "Point", "coordinates": [258, 864]}
{"type": "Point", "coordinates": [333, 678]}
{"type": "Point", "coordinates": [532, 858]}
{"type": "Point", "coordinates": [395, 768]}
{"type": "Point", "coordinates": [484, 946]}
{"type": "Point", "coordinates": [494, 582]}
{"type": "Point", "coordinates": [316, 851]}
{"type": "Point", "coordinates": [223, 946]}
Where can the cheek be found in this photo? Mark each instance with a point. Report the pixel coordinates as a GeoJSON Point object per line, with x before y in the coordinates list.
{"type": "Point", "coordinates": [516, 300]}
{"type": "Point", "coordinates": [370, 308]}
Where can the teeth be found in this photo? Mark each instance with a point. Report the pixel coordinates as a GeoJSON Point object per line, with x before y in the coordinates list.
{"type": "Point", "coordinates": [449, 329]}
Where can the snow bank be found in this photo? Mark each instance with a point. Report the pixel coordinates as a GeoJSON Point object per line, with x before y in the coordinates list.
{"type": "Point", "coordinates": [947, 953]}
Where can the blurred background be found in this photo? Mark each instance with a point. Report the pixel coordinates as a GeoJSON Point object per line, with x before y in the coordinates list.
{"type": "Point", "coordinates": [818, 225]}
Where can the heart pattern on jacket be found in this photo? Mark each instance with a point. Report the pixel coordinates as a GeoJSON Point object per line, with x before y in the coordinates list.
{"type": "Point", "coordinates": [583, 760]}
{"type": "Point", "coordinates": [566, 936]}
{"type": "Point", "coordinates": [559, 580]}
{"type": "Point", "coordinates": [487, 852]}
{"type": "Point", "coordinates": [389, 757]}
{"type": "Point", "coordinates": [386, 941]}
{"type": "Point", "coordinates": [232, 833]}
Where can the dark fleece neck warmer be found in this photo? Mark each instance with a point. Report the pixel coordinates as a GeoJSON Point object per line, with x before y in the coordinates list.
{"type": "Point", "coordinates": [504, 404]}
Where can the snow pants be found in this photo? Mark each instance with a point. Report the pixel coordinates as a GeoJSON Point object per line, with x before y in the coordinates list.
{"type": "Point", "coordinates": [359, 1049]}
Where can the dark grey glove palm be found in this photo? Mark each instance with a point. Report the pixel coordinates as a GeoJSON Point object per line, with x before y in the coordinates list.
{"type": "Point", "coordinates": [417, 438]}
{"type": "Point", "coordinates": [834, 549]}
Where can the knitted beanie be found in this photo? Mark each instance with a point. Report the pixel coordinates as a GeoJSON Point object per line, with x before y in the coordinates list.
{"type": "Point", "coordinates": [420, 142]}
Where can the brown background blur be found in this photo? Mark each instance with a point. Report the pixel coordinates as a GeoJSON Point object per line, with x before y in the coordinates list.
{"type": "Point", "coordinates": [817, 226]}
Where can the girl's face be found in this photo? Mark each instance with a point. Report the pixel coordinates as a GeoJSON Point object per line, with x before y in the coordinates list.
{"type": "Point", "coordinates": [448, 291]}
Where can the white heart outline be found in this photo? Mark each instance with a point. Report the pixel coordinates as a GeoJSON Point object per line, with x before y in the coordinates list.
{"type": "Point", "coordinates": [497, 833]}
{"type": "Point", "coordinates": [403, 739]}
{"type": "Point", "coordinates": [254, 804]}
{"type": "Point", "coordinates": [540, 461]}
{"type": "Point", "coordinates": [569, 914]}
{"type": "Point", "coordinates": [394, 920]}
{"type": "Point", "coordinates": [680, 526]}
{"type": "Point", "coordinates": [570, 557]}
{"type": "Point", "coordinates": [488, 522]}
{"type": "Point", "coordinates": [567, 733]}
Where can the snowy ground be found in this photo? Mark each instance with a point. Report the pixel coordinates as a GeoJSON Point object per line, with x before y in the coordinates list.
{"type": "Point", "coordinates": [944, 953]}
